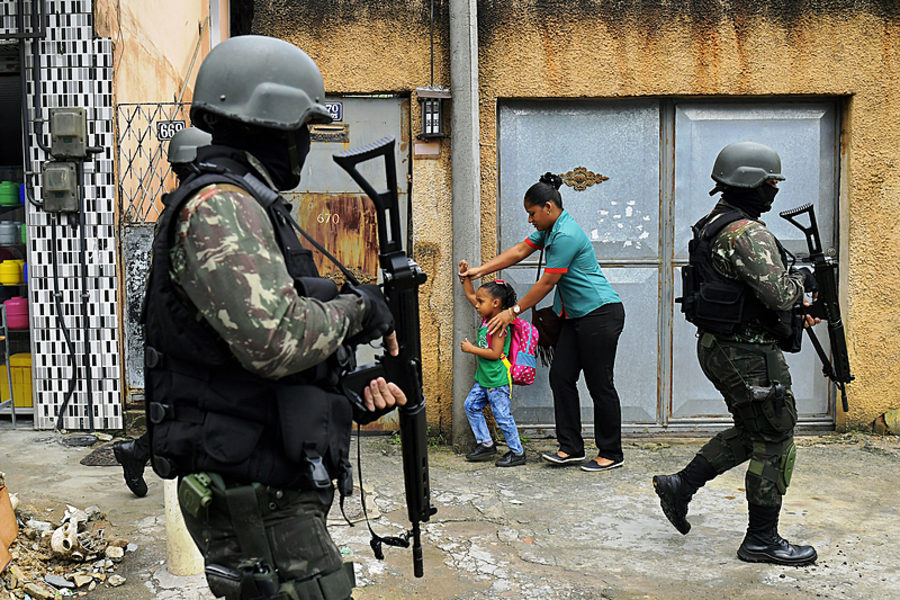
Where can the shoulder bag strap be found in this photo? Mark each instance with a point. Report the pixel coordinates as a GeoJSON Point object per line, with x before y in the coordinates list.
{"type": "Point", "coordinates": [538, 277]}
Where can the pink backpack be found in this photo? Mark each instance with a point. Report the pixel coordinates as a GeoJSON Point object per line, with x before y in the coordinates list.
{"type": "Point", "coordinates": [522, 350]}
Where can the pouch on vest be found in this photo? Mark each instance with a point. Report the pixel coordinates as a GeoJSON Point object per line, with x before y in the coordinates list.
{"type": "Point", "coordinates": [230, 440]}
{"type": "Point", "coordinates": [308, 415]}
{"type": "Point", "coordinates": [794, 321]}
{"type": "Point", "coordinates": [721, 304]}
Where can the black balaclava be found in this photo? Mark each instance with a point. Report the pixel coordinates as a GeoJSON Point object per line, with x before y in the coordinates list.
{"type": "Point", "coordinates": [282, 152]}
{"type": "Point", "coordinates": [181, 170]}
{"type": "Point", "coordinates": [753, 201]}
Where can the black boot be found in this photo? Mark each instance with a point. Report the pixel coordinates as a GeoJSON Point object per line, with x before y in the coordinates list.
{"type": "Point", "coordinates": [675, 491]}
{"type": "Point", "coordinates": [133, 460]}
{"type": "Point", "coordinates": [763, 544]}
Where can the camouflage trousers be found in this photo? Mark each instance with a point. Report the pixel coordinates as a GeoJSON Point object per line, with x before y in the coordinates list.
{"type": "Point", "coordinates": [301, 549]}
{"type": "Point", "coordinates": [764, 415]}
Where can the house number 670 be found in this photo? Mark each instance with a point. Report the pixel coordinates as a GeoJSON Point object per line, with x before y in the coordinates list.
{"type": "Point", "coordinates": [325, 217]}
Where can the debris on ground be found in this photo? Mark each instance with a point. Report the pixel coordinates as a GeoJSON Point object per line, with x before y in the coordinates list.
{"type": "Point", "coordinates": [66, 558]}
{"type": "Point", "coordinates": [883, 444]}
{"type": "Point", "coordinates": [888, 423]}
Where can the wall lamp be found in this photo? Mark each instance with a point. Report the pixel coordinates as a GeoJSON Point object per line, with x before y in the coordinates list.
{"type": "Point", "coordinates": [433, 107]}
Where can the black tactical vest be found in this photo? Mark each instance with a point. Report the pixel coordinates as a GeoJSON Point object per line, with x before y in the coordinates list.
{"type": "Point", "coordinates": [205, 412]}
{"type": "Point", "coordinates": [719, 304]}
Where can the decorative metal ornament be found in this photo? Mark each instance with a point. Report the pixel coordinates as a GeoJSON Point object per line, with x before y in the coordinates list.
{"type": "Point", "coordinates": [580, 178]}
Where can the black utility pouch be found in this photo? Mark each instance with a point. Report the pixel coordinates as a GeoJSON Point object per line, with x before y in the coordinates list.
{"type": "Point", "coordinates": [223, 582]}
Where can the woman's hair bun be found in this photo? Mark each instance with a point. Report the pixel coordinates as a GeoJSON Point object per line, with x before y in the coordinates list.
{"type": "Point", "coordinates": [552, 179]}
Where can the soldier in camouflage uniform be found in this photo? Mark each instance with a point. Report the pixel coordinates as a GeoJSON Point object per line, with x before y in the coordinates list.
{"type": "Point", "coordinates": [246, 344]}
{"type": "Point", "coordinates": [134, 454]}
{"type": "Point", "coordinates": [741, 295]}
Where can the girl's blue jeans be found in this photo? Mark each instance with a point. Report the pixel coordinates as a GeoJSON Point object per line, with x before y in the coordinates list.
{"type": "Point", "coordinates": [499, 400]}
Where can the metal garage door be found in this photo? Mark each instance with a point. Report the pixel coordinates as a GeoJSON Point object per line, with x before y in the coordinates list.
{"type": "Point", "coordinates": [638, 177]}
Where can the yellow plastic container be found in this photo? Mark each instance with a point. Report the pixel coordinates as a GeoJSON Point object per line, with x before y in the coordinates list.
{"type": "Point", "coordinates": [20, 368]}
{"type": "Point", "coordinates": [10, 272]}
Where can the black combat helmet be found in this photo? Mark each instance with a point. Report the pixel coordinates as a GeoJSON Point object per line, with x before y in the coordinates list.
{"type": "Point", "coordinates": [183, 145]}
{"type": "Point", "coordinates": [259, 81]}
{"type": "Point", "coordinates": [746, 165]}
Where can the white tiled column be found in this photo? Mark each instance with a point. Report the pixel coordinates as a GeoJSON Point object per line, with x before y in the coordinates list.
{"type": "Point", "coordinates": [75, 71]}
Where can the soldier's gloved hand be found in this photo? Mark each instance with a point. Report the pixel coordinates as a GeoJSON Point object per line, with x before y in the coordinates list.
{"type": "Point", "coordinates": [377, 320]}
{"type": "Point", "coordinates": [809, 280]}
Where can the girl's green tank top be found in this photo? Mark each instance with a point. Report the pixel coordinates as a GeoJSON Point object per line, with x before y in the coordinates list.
{"type": "Point", "coordinates": [491, 373]}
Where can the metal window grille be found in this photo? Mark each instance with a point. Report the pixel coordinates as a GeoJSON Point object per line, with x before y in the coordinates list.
{"type": "Point", "coordinates": [142, 135]}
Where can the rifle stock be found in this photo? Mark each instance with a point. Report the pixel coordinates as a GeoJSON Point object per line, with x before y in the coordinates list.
{"type": "Point", "coordinates": [826, 306]}
{"type": "Point", "coordinates": [402, 278]}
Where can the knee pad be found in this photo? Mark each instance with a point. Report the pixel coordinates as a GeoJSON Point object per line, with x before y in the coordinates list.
{"type": "Point", "coordinates": [788, 459]}
{"type": "Point", "coordinates": [777, 472]}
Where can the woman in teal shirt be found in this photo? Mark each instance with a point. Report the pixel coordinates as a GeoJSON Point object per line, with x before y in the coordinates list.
{"type": "Point", "coordinates": [593, 320]}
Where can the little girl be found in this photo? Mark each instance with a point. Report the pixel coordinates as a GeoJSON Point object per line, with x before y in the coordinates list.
{"type": "Point", "coordinates": [492, 378]}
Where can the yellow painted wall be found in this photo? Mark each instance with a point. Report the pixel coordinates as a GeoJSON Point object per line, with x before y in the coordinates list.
{"type": "Point", "coordinates": [608, 50]}
{"type": "Point", "coordinates": [153, 45]}
{"type": "Point", "coordinates": [601, 49]}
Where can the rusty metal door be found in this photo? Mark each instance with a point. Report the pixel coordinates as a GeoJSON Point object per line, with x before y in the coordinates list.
{"type": "Point", "coordinates": [328, 203]}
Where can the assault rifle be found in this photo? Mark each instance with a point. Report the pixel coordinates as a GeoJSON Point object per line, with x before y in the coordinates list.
{"type": "Point", "coordinates": [826, 305]}
{"type": "Point", "coordinates": [402, 278]}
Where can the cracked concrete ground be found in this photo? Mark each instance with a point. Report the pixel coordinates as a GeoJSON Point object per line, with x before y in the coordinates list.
{"type": "Point", "coordinates": [543, 532]}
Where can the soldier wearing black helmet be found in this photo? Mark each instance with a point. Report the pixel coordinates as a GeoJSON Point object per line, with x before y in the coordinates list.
{"type": "Point", "coordinates": [246, 344]}
{"type": "Point", "coordinates": [741, 295]}
{"type": "Point", "coordinates": [134, 454]}
{"type": "Point", "coordinates": [183, 150]}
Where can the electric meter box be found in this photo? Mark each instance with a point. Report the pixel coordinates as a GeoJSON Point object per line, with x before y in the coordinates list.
{"type": "Point", "coordinates": [68, 133]}
{"type": "Point", "coordinates": [60, 187]}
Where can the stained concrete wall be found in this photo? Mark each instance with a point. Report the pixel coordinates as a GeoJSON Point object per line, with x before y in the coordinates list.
{"type": "Point", "coordinates": [154, 45]}
{"type": "Point", "coordinates": [745, 48]}
{"type": "Point", "coordinates": [157, 49]}
{"type": "Point", "coordinates": [384, 47]}
{"type": "Point", "coordinates": [848, 49]}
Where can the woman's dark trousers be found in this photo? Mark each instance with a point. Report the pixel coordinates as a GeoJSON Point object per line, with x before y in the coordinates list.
{"type": "Point", "coordinates": [589, 344]}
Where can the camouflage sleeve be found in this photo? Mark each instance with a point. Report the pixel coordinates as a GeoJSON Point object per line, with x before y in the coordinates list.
{"type": "Point", "coordinates": [227, 261]}
{"type": "Point", "coordinates": [747, 250]}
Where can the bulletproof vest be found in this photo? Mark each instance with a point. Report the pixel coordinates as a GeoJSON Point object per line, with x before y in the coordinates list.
{"type": "Point", "coordinates": [716, 303]}
{"type": "Point", "coordinates": [205, 412]}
